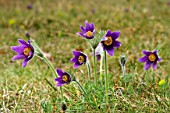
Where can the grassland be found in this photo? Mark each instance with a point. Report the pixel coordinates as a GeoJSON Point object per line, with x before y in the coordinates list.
{"type": "Point", "coordinates": [144, 25]}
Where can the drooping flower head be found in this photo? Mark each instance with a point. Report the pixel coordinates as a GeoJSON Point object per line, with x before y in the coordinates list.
{"type": "Point", "coordinates": [64, 78]}
{"type": "Point", "coordinates": [151, 58]}
{"type": "Point", "coordinates": [98, 52]}
{"type": "Point", "coordinates": [79, 58]}
{"type": "Point", "coordinates": [109, 42]}
{"type": "Point", "coordinates": [24, 51]}
{"type": "Point", "coordinates": [88, 31]}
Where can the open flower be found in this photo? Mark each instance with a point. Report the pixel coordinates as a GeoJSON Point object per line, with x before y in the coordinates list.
{"type": "Point", "coordinates": [109, 42]}
{"type": "Point", "coordinates": [79, 59]}
{"type": "Point", "coordinates": [88, 31]}
{"type": "Point", "coordinates": [24, 51]}
{"type": "Point", "coordinates": [150, 58]}
{"type": "Point", "coordinates": [64, 78]}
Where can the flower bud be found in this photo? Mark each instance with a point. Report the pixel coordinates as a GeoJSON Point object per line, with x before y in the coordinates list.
{"type": "Point", "coordinates": [63, 106]}
{"type": "Point", "coordinates": [122, 60]}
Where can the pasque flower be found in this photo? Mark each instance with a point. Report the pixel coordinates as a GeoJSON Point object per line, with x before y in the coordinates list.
{"type": "Point", "coordinates": [24, 51]}
{"type": "Point", "coordinates": [98, 51]}
{"type": "Point", "coordinates": [79, 58]}
{"type": "Point", "coordinates": [109, 42]}
{"type": "Point", "coordinates": [64, 78]}
{"type": "Point", "coordinates": [88, 31]}
{"type": "Point", "coordinates": [151, 58]}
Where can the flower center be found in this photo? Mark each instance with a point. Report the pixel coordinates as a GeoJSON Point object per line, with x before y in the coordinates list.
{"type": "Point", "coordinates": [152, 57]}
{"type": "Point", "coordinates": [109, 41]}
{"type": "Point", "coordinates": [81, 59]}
{"type": "Point", "coordinates": [27, 51]}
{"type": "Point", "coordinates": [89, 33]}
{"type": "Point", "coordinates": [65, 78]}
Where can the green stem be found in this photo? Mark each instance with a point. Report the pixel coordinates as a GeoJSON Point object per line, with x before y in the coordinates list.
{"type": "Point", "coordinates": [95, 74]}
{"type": "Point", "coordinates": [124, 71]}
{"type": "Point", "coordinates": [50, 84]}
{"type": "Point", "coordinates": [81, 87]}
{"type": "Point", "coordinates": [41, 55]}
{"type": "Point", "coordinates": [101, 67]}
{"type": "Point", "coordinates": [106, 77]}
{"type": "Point", "coordinates": [54, 71]}
{"type": "Point", "coordinates": [89, 70]}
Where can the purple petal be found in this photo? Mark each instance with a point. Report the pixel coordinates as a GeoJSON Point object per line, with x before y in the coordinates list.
{"type": "Point", "coordinates": [159, 59]}
{"type": "Point", "coordinates": [155, 52]}
{"type": "Point", "coordinates": [58, 79]}
{"type": "Point", "coordinates": [60, 84]}
{"type": "Point", "coordinates": [22, 42]}
{"type": "Point", "coordinates": [92, 26]}
{"type": "Point", "coordinates": [110, 51]}
{"type": "Point", "coordinates": [116, 44]}
{"type": "Point", "coordinates": [76, 65]}
{"type": "Point", "coordinates": [82, 28]}
{"type": "Point", "coordinates": [143, 59]}
{"type": "Point", "coordinates": [16, 57]}
{"type": "Point", "coordinates": [87, 25]}
{"type": "Point", "coordinates": [146, 52]}
{"type": "Point", "coordinates": [60, 72]}
{"type": "Point", "coordinates": [115, 34]}
{"type": "Point", "coordinates": [147, 65]}
{"type": "Point", "coordinates": [24, 63]}
{"type": "Point", "coordinates": [74, 60]}
{"type": "Point", "coordinates": [80, 34]}
{"type": "Point", "coordinates": [154, 65]}
{"type": "Point", "coordinates": [98, 57]}
{"type": "Point", "coordinates": [76, 53]}
{"type": "Point", "coordinates": [109, 33]}
{"type": "Point", "coordinates": [18, 49]}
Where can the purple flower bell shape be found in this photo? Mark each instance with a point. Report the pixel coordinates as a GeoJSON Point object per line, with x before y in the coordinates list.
{"type": "Point", "coordinates": [88, 31]}
{"type": "Point", "coordinates": [151, 59]}
{"type": "Point", "coordinates": [109, 42]}
{"type": "Point", "coordinates": [79, 58]}
{"type": "Point", "coordinates": [24, 51]}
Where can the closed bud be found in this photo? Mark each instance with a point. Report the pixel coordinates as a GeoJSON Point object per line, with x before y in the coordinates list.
{"type": "Point", "coordinates": [63, 106]}
{"type": "Point", "coordinates": [122, 60]}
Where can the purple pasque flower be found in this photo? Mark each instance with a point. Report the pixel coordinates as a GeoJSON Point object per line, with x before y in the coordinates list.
{"type": "Point", "coordinates": [88, 31]}
{"type": "Point", "coordinates": [98, 51]}
{"type": "Point", "coordinates": [64, 78]}
{"type": "Point", "coordinates": [150, 58]}
{"type": "Point", "coordinates": [109, 42]}
{"type": "Point", "coordinates": [24, 51]}
{"type": "Point", "coordinates": [79, 58]}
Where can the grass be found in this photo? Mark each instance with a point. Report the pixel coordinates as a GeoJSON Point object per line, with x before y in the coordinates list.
{"type": "Point", "coordinates": [53, 24]}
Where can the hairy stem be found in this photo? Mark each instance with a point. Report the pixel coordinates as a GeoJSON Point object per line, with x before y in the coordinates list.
{"type": "Point", "coordinates": [106, 77]}
{"type": "Point", "coordinates": [89, 70]}
{"type": "Point", "coordinates": [82, 89]}
{"type": "Point", "coordinates": [95, 74]}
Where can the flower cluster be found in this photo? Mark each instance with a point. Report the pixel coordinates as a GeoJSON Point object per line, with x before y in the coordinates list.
{"type": "Point", "coordinates": [101, 42]}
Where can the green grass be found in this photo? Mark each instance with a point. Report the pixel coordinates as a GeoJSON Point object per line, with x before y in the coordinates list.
{"type": "Point", "coordinates": [144, 25]}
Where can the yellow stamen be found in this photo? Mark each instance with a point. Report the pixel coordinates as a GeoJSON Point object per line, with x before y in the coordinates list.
{"type": "Point", "coordinates": [27, 51]}
{"type": "Point", "coordinates": [65, 78]}
{"type": "Point", "coordinates": [89, 33]}
{"type": "Point", "coordinates": [81, 59]}
{"type": "Point", "coordinates": [152, 57]}
{"type": "Point", "coordinates": [109, 41]}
